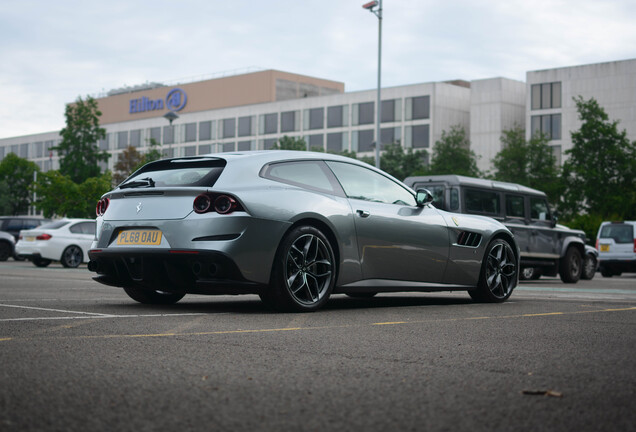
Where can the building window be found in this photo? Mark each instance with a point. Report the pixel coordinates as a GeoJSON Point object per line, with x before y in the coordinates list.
{"type": "Point", "coordinates": [269, 143]}
{"type": "Point", "coordinates": [549, 125]}
{"type": "Point", "coordinates": [391, 110]}
{"type": "Point", "coordinates": [390, 136]}
{"type": "Point", "coordinates": [190, 151]}
{"type": "Point", "coordinates": [244, 146]}
{"type": "Point", "coordinates": [334, 142]}
{"type": "Point", "coordinates": [38, 151]}
{"type": "Point", "coordinates": [269, 123]}
{"type": "Point", "coordinates": [365, 113]}
{"type": "Point", "coordinates": [205, 131]}
{"type": "Point", "coordinates": [122, 140]}
{"type": "Point", "coordinates": [135, 137]}
{"type": "Point", "coordinates": [335, 116]}
{"type": "Point", "coordinates": [418, 108]}
{"type": "Point", "coordinates": [228, 147]}
{"type": "Point", "coordinates": [168, 134]}
{"type": "Point", "coordinates": [155, 134]}
{"type": "Point", "coordinates": [364, 140]}
{"type": "Point", "coordinates": [316, 118]}
{"type": "Point", "coordinates": [24, 150]}
{"type": "Point", "coordinates": [229, 128]}
{"type": "Point", "coordinates": [545, 95]}
{"type": "Point", "coordinates": [205, 149]}
{"type": "Point", "coordinates": [316, 142]}
{"type": "Point", "coordinates": [417, 136]}
{"type": "Point", "coordinates": [245, 126]}
{"type": "Point", "coordinates": [288, 121]}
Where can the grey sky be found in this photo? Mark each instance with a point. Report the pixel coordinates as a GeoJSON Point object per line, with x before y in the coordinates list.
{"type": "Point", "coordinates": [53, 52]}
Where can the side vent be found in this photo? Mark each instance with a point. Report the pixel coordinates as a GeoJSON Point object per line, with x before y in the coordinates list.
{"type": "Point", "coordinates": [469, 239]}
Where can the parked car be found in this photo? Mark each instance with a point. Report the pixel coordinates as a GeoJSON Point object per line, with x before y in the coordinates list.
{"type": "Point", "coordinates": [64, 240]}
{"type": "Point", "coordinates": [547, 248]}
{"type": "Point", "coordinates": [10, 227]}
{"type": "Point", "coordinates": [292, 227]}
{"type": "Point", "coordinates": [616, 244]}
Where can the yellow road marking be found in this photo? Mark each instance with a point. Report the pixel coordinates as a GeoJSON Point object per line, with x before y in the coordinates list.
{"type": "Point", "coordinates": [221, 332]}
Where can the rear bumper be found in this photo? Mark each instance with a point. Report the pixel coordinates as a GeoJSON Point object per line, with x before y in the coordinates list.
{"type": "Point", "coordinates": [188, 271]}
{"type": "Point", "coordinates": [627, 265]}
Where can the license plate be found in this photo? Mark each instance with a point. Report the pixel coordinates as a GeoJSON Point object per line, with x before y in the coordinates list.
{"type": "Point", "coordinates": [30, 238]}
{"type": "Point", "coordinates": [139, 237]}
{"type": "Point", "coordinates": [605, 248]}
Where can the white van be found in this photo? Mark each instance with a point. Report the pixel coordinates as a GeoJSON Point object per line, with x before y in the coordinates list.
{"type": "Point", "coordinates": [616, 245]}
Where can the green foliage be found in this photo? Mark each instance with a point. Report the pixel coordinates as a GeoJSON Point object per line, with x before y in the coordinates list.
{"type": "Point", "coordinates": [16, 175]}
{"type": "Point", "coordinates": [130, 160]}
{"type": "Point", "coordinates": [600, 171]}
{"type": "Point", "coordinates": [79, 154]}
{"type": "Point", "coordinates": [401, 164]}
{"type": "Point", "coordinates": [530, 163]}
{"type": "Point", "coordinates": [289, 143]}
{"type": "Point", "coordinates": [588, 223]}
{"type": "Point", "coordinates": [58, 195]}
{"type": "Point", "coordinates": [452, 155]}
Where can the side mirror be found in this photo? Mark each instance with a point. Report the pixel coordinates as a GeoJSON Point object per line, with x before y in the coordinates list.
{"type": "Point", "coordinates": [423, 197]}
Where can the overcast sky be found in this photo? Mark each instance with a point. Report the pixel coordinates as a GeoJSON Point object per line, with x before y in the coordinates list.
{"type": "Point", "coordinates": [54, 51]}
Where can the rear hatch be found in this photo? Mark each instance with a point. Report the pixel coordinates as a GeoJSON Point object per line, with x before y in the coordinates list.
{"type": "Point", "coordinates": [164, 189]}
{"type": "Point", "coordinates": [616, 241]}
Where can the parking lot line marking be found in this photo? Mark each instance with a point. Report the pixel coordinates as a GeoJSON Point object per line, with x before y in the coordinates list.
{"type": "Point", "coordinates": [102, 316]}
{"type": "Point", "coordinates": [55, 310]}
{"type": "Point", "coordinates": [390, 323]}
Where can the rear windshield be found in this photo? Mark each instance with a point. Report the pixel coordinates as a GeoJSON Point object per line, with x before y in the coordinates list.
{"type": "Point", "coordinates": [54, 225]}
{"type": "Point", "coordinates": [177, 172]}
{"type": "Point", "coordinates": [621, 233]}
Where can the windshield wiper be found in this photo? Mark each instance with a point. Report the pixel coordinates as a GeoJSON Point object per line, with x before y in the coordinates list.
{"type": "Point", "coordinates": [144, 182]}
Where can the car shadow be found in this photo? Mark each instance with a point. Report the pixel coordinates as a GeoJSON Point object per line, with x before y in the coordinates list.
{"type": "Point", "coordinates": [249, 304]}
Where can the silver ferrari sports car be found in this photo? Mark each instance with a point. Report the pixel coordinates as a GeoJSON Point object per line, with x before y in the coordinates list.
{"type": "Point", "coordinates": [292, 227]}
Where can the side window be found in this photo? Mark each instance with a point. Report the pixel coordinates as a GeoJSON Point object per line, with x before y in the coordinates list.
{"type": "Point", "coordinates": [482, 202]}
{"type": "Point", "coordinates": [454, 199]}
{"type": "Point", "coordinates": [364, 184]}
{"type": "Point", "coordinates": [539, 209]}
{"type": "Point", "coordinates": [14, 225]}
{"type": "Point", "coordinates": [83, 228]}
{"type": "Point", "coordinates": [515, 206]}
{"type": "Point", "coordinates": [312, 175]}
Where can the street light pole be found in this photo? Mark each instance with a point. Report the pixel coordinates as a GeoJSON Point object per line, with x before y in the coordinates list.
{"type": "Point", "coordinates": [370, 6]}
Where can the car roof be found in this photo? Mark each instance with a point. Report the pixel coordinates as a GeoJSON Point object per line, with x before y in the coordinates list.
{"type": "Point", "coordinates": [460, 180]}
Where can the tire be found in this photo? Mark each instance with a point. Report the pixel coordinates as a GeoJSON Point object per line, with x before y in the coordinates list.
{"type": "Point", "coordinates": [589, 267]}
{"type": "Point", "coordinates": [571, 266]}
{"type": "Point", "coordinates": [304, 271]}
{"type": "Point", "coordinates": [606, 272]}
{"type": "Point", "coordinates": [72, 257]}
{"type": "Point", "coordinates": [530, 273]}
{"type": "Point", "coordinates": [41, 262]}
{"type": "Point", "coordinates": [498, 273]}
{"type": "Point", "coordinates": [153, 297]}
{"type": "Point", "coordinates": [5, 250]}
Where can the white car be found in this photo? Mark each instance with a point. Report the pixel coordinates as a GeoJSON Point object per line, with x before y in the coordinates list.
{"type": "Point", "coordinates": [616, 244]}
{"type": "Point", "coordinates": [64, 240]}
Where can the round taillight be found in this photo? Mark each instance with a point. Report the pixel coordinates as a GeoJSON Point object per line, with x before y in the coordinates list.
{"type": "Point", "coordinates": [102, 205]}
{"type": "Point", "coordinates": [224, 204]}
{"type": "Point", "coordinates": [201, 203]}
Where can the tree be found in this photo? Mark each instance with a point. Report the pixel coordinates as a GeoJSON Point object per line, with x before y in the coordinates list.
{"type": "Point", "coordinates": [530, 163]}
{"type": "Point", "coordinates": [600, 171]}
{"type": "Point", "coordinates": [289, 143]}
{"type": "Point", "coordinates": [79, 154]}
{"type": "Point", "coordinates": [16, 175]}
{"type": "Point", "coordinates": [127, 162]}
{"type": "Point", "coordinates": [452, 155]}
{"type": "Point", "coordinates": [58, 195]}
{"type": "Point", "coordinates": [402, 164]}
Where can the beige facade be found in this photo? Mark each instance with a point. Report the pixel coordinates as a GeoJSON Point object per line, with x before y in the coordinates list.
{"type": "Point", "coordinates": [232, 91]}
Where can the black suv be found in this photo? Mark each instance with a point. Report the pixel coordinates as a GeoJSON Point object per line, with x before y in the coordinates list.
{"type": "Point", "coordinates": [10, 227]}
{"type": "Point", "coordinates": [546, 247]}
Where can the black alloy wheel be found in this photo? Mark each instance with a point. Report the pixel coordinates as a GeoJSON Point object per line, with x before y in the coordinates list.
{"type": "Point", "coordinates": [498, 273]}
{"type": "Point", "coordinates": [304, 272]}
{"type": "Point", "coordinates": [72, 257]}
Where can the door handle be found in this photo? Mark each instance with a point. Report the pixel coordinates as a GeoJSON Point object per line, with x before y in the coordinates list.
{"type": "Point", "coordinates": [363, 213]}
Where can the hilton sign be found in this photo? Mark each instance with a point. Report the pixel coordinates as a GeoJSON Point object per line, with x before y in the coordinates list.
{"type": "Point", "coordinates": [175, 101]}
